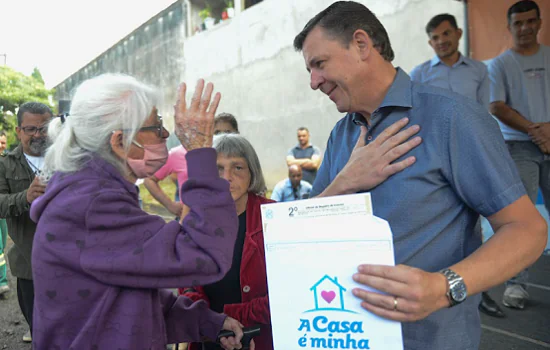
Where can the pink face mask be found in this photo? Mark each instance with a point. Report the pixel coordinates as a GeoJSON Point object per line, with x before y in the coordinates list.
{"type": "Point", "coordinates": [154, 158]}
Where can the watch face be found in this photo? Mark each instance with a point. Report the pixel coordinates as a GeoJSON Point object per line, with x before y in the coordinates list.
{"type": "Point", "coordinates": [459, 293]}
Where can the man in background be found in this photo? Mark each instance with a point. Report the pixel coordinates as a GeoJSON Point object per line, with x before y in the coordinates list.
{"type": "Point", "coordinates": [19, 187]}
{"type": "Point", "coordinates": [520, 99]}
{"type": "Point", "coordinates": [451, 70]}
{"type": "Point", "coordinates": [3, 142]}
{"type": "Point", "coordinates": [292, 188]}
{"type": "Point", "coordinates": [305, 155]}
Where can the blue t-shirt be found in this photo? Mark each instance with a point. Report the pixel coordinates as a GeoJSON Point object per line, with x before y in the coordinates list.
{"type": "Point", "coordinates": [523, 83]}
{"type": "Point", "coordinates": [283, 191]}
{"type": "Point", "coordinates": [463, 169]}
{"type": "Point", "coordinates": [467, 77]}
{"type": "Point", "coordinates": [306, 153]}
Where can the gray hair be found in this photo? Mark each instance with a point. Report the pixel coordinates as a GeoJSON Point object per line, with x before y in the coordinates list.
{"type": "Point", "coordinates": [100, 105]}
{"type": "Point", "coordinates": [235, 145]}
{"type": "Point", "coordinates": [33, 108]}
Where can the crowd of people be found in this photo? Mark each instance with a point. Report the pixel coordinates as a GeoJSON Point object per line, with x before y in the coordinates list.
{"type": "Point", "coordinates": [94, 270]}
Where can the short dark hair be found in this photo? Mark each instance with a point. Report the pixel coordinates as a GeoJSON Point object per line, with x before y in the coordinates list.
{"type": "Point", "coordinates": [303, 128]}
{"type": "Point", "coordinates": [523, 6]}
{"type": "Point", "coordinates": [227, 118]}
{"type": "Point", "coordinates": [2, 133]}
{"type": "Point", "coordinates": [437, 20]}
{"type": "Point", "coordinates": [33, 108]}
{"type": "Point", "coordinates": [341, 19]}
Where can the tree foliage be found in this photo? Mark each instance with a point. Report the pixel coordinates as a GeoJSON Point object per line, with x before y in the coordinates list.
{"type": "Point", "coordinates": [16, 89]}
{"type": "Point", "coordinates": [37, 75]}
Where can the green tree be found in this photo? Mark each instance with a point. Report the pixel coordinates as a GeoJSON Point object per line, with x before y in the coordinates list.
{"type": "Point", "coordinates": [37, 75]}
{"type": "Point", "coordinates": [16, 89]}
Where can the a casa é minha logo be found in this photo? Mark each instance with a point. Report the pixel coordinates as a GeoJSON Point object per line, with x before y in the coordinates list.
{"type": "Point", "coordinates": [329, 325]}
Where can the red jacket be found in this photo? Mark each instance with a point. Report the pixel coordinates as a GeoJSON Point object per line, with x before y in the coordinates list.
{"type": "Point", "coordinates": [254, 308]}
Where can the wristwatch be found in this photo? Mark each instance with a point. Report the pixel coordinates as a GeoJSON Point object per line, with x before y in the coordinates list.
{"type": "Point", "coordinates": [456, 292]}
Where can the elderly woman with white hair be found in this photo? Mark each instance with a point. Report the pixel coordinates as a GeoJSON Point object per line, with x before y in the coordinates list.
{"type": "Point", "coordinates": [100, 262]}
{"type": "Point", "coordinates": [242, 293]}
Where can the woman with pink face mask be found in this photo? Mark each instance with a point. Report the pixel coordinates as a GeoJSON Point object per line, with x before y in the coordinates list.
{"type": "Point", "coordinates": [100, 263]}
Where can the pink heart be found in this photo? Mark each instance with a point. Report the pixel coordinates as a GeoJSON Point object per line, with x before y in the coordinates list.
{"type": "Point", "coordinates": [328, 296]}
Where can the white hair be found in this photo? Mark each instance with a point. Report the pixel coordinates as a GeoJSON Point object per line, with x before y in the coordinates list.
{"type": "Point", "coordinates": [100, 106]}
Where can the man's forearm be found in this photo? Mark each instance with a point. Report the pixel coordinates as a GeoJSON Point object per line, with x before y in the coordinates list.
{"type": "Point", "coordinates": [296, 161]}
{"type": "Point", "coordinates": [157, 193]}
{"type": "Point", "coordinates": [310, 165]}
{"type": "Point", "coordinates": [510, 117]}
{"type": "Point", "coordinates": [513, 247]}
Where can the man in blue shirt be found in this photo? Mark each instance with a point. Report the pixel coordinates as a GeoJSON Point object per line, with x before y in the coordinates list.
{"type": "Point", "coordinates": [292, 188]}
{"type": "Point", "coordinates": [462, 170]}
{"type": "Point", "coordinates": [520, 99]}
{"type": "Point", "coordinates": [306, 155]}
{"type": "Point", "coordinates": [449, 69]}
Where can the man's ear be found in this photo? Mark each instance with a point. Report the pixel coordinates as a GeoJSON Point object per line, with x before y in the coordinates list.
{"type": "Point", "coordinates": [18, 132]}
{"type": "Point", "coordinates": [459, 31]}
{"type": "Point", "coordinates": [117, 144]}
{"type": "Point", "coordinates": [363, 43]}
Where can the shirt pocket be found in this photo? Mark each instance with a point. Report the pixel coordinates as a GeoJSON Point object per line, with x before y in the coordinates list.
{"type": "Point", "coordinates": [17, 182]}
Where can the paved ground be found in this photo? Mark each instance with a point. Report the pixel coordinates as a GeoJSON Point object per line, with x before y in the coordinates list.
{"type": "Point", "coordinates": [12, 323]}
{"type": "Point", "coordinates": [527, 329]}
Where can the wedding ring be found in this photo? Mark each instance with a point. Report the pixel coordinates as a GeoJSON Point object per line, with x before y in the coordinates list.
{"type": "Point", "coordinates": [394, 303]}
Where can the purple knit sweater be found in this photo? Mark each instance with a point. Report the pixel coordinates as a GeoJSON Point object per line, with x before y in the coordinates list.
{"type": "Point", "coordinates": [100, 262]}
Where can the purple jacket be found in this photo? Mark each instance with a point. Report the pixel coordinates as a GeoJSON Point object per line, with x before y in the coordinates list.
{"type": "Point", "coordinates": [99, 261]}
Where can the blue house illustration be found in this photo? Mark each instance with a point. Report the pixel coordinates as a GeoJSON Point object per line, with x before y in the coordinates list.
{"type": "Point", "coordinates": [328, 294]}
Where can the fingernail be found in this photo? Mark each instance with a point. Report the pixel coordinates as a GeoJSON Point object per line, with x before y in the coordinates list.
{"type": "Point", "coordinates": [355, 277]}
{"type": "Point", "coordinates": [355, 292]}
{"type": "Point", "coordinates": [405, 119]}
{"type": "Point", "coordinates": [361, 268]}
{"type": "Point", "coordinates": [416, 127]}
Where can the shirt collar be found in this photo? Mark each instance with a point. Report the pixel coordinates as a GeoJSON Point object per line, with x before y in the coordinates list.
{"type": "Point", "coordinates": [435, 61]}
{"type": "Point", "coordinates": [461, 60]}
{"type": "Point", "coordinates": [399, 95]}
{"type": "Point", "coordinates": [289, 184]}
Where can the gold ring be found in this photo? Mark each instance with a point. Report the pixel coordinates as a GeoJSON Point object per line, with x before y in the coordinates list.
{"type": "Point", "coordinates": [394, 303]}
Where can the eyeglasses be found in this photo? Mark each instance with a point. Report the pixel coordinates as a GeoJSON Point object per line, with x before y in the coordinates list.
{"type": "Point", "coordinates": [159, 128]}
{"type": "Point", "coordinates": [31, 130]}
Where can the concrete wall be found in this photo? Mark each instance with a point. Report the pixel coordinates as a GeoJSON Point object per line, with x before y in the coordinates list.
{"type": "Point", "coordinates": [263, 81]}
{"type": "Point", "coordinates": [152, 53]}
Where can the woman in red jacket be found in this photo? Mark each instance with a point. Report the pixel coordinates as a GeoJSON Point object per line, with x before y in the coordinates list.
{"type": "Point", "coordinates": [242, 293]}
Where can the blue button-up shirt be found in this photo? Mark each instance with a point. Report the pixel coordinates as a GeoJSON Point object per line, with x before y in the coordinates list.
{"type": "Point", "coordinates": [463, 169]}
{"type": "Point", "coordinates": [467, 77]}
{"type": "Point", "coordinates": [283, 191]}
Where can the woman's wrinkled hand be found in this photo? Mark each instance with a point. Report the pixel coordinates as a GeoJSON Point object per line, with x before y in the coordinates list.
{"type": "Point", "coordinates": [230, 343]}
{"type": "Point", "coordinates": [194, 124]}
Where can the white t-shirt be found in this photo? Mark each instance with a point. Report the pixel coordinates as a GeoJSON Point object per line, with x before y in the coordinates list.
{"type": "Point", "coordinates": [36, 163]}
